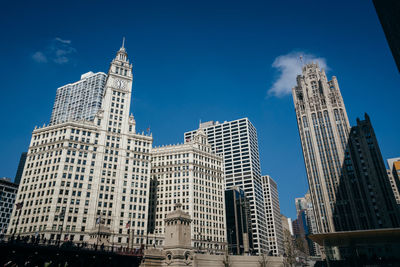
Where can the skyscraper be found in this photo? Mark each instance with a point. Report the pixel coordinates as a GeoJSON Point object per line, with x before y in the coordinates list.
{"type": "Point", "coordinates": [324, 128]}
{"type": "Point", "coordinates": [80, 175]}
{"type": "Point", "coordinates": [273, 216]}
{"type": "Point", "coordinates": [370, 195]}
{"type": "Point", "coordinates": [236, 141]}
{"type": "Point", "coordinates": [238, 222]}
{"type": "Point", "coordinates": [8, 192]}
{"type": "Point", "coordinates": [346, 192]}
{"type": "Point", "coordinates": [305, 209]}
{"type": "Point", "coordinates": [190, 174]}
{"type": "Point", "coordinates": [79, 100]}
{"type": "Point", "coordinates": [394, 177]}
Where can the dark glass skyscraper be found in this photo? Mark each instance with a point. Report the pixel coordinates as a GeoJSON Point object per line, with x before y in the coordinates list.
{"type": "Point", "coordinates": [238, 222]}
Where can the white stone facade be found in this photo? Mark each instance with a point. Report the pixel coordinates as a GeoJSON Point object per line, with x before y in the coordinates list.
{"type": "Point", "coordinates": [273, 216]}
{"type": "Point", "coordinates": [91, 171]}
{"type": "Point", "coordinates": [191, 174]}
{"type": "Point", "coordinates": [236, 141]}
{"type": "Point", "coordinates": [324, 129]}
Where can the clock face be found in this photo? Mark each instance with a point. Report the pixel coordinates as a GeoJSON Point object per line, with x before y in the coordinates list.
{"type": "Point", "coordinates": [120, 84]}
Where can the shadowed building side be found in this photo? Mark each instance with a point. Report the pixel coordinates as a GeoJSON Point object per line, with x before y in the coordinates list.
{"type": "Point", "coordinates": [365, 199]}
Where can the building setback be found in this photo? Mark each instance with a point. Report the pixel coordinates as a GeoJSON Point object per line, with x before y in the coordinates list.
{"type": "Point", "coordinates": [238, 222]}
{"type": "Point", "coordinates": [190, 174]}
{"type": "Point", "coordinates": [82, 176]}
{"type": "Point", "coordinates": [8, 192]}
{"type": "Point", "coordinates": [79, 100]}
{"type": "Point", "coordinates": [236, 141]}
{"type": "Point", "coordinates": [273, 216]}
{"type": "Point", "coordinates": [347, 187]}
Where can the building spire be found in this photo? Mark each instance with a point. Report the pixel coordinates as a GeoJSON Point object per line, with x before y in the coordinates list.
{"type": "Point", "coordinates": [123, 42]}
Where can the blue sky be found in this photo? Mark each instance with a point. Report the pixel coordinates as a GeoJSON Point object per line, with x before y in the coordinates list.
{"type": "Point", "coordinates": [199, 60]}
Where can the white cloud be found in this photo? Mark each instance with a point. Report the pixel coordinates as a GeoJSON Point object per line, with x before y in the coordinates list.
{"type": "Point", "coordinates": [62, 40]}
{"type": "Point", "coordinates": [58, 51]}
{"type": "Point", "coordinates": [39, 57]}
{"type": "Point", "coordinates": [289, 66]}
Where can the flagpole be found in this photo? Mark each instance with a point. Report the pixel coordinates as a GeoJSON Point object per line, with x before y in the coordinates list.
{"type": "Point", "coordinates": [62, 225]}
{"type": "Point", "coordinates": [130, 231]}
{"type": "Point", "coordinates": [98, 232]}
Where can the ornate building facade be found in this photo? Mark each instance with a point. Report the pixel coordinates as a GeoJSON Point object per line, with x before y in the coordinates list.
{"type": "Point", "coordinates": [343, 164]}
{"type": "Point", "coordinates": [83, 174]}
{"type": "Point", "coordinates": [190, 174]}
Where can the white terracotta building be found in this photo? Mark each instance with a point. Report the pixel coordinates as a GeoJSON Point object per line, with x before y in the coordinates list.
{"type": "Point", "coordinates": [78, 173]}
{"type": "Point", "coordinates": [190, 174]}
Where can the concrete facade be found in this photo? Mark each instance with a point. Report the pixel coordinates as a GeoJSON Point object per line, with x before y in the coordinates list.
{"type": "Point", "coordinates": [236, 141]}
{"type": "Point", "coordinates": [79, 100]}
{"type": "Point", "coordinates": [8, 193]}
{"type": "Point", "coordinates": [273, 216]}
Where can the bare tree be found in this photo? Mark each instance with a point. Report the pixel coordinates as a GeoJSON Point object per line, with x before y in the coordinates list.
{"type": "Point", "coordinates": [263, 260]}
{"type": "Point", "coordinates": [290, 250]}
{"type": "Point", "coordinates": [226, 261]}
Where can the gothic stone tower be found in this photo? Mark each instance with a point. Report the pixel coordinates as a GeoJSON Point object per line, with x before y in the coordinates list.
{"type": "Point", "coordinates": [324, 129]}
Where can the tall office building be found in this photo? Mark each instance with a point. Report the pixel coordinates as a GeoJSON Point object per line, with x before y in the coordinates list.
{"type": "Point", "coordinates": [20, 169]}
{"type": "Point", "coordinates": [79, 100]}
{"type": "Point", "coordinates": [301, 231]}
{"type": "Point", "coordinates": [373, 204]}
{"type": "Point", "coordinates": [236, 141]}
{"type": "Point", "coordinates": [314, 248]}
{"type": "Point", "coordinates": [238, 222]}
{"type": "Point", "coordinates": [323, 127]}
{"type": "Point", "coordinates": [304, 208]}
{"type": "Point", "coordinates": [8, 192]}
{"type": "Point", "coordinates": [300, 203]}
{"type": "Point", "coordinates": [81, 176]}
{"type": "Point", "coordinates": [273, 216]}
{"type": "Point", "coordinates": [345, 185]}
{"type": "Point", "coordinates": [287, 224]}
{"type": "Point", "coordinates": [394, 177]}
{"type": "Point", "coordinates": [190, 174]}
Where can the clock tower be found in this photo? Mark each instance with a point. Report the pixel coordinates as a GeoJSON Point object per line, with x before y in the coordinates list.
{"type": "Point", "coordinates": [118, 89]}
